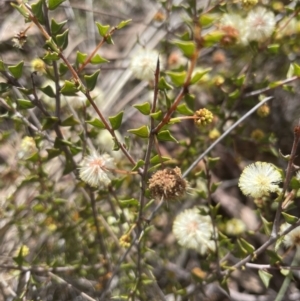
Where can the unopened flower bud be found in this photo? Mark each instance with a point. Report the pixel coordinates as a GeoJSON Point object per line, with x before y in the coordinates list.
{"type": "Point", "coordinates": [248, 4]}
{"type": "Point", "coordinates": [263, 111]}
{"type": "Point", "coordinates": [125, 240]}
{"type": "Point", "coordinates": [257, 135]}
{"type": "Point", "coordinates": [214, 134]}
{"type": "Point", "coordinates": [203, 117]}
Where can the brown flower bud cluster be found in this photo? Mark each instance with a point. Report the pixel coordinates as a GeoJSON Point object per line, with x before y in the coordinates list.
{"type": "Point", "coordinates": [168, 184]}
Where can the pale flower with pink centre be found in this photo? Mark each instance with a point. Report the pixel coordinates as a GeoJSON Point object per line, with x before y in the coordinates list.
{"type": "Point", "coordinates": [194, 230]}
{"type": "Point", "coordinates": [260, 24]}
{"type": "Point", "coordinates": [96, 170]}
{"type": "Point", "coordinates": [143, 64]}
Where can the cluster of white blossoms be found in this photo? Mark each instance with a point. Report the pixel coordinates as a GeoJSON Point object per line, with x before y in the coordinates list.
{"type": "Point", "coordinates": [259, 179]}
{"type": "Point", "coordinates": [194, 230]}
{"type": "Point", "coordinates": [258, 25]}
{"type": "Point", "coordinates": [96, 169]}
{"type": "Point", "coordinates": [143, 64]}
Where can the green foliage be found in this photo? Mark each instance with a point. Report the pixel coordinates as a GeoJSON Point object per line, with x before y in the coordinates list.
{"type": "Point", "coordinates": [80, 58]}
{"type": "Point", "coordinates": [37, 9]}
{"type": "Point", "coordinates": [123, 23]}
{"type": "Point", "coordinates": [142, 132]}
{"type": "Point", "coordinates": [49, 122]}
{"type": "Point", "coordinates": [187, 47]}
{"type": "Point", "coordinates": [25, 104]}
{"type": "Point", "coordinates": [290, 218]}
{"type": "Point", "coordinates": [69, 88]}
{"type": "Point", "coordinates": [116, 120]}
{"type": "Point", "coordinates": [177, 78]}
{"type": "Point", "coordinates": [91, 80]}
{"type": "Point", "coordinates": [97, 59]}
{"type": "Point", "coordinates": [102, 29]}
{"type": "Point", "coordinates": [62, 39]}
{"type": "Point", "coordinates": [163, 85]}
{"type": "Point", "coordinates": [265, 277]}
{"type": "Point", "coordinates": [96, 123]}
{"type": "Point", "coordinates": [70, 121]}
{"type": "Point", "coordinates": [53, 4]}
{"type": "Point", "coordinates": [51, 56]}
{"type": "Point", "coordinates": [57, 27]}
{"type": "Point", "coordinates": [184, 110]}
{"type": "Point", "coordinates": [48, 90]}
{"type": "Point", "coordinates": [166, 136]}
{"type": "Point", "coordinates": [144, 108]}
{"type": "Point", "coordinates": [198, 75]}
{"type": "Point", "coordinates": [16, 70]}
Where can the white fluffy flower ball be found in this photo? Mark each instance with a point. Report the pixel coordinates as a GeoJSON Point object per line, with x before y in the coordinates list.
{"type": "Point", "coordinates": [235, 25]}
{"type": "Point", "coordinates": [259, 179]}
{"type": "Point", "coordinates": [193, 230]}
{"type": "Point", "coordinates": [292, 238]}
{"type": "Point", "coordinates": [95, 169]}
{"type": "Point", "coordinates": [260, 24]}
{"type": "Point", "coordinates": [143, 64]}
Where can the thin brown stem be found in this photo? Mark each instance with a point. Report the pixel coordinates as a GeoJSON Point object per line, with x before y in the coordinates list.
{"type": "Point", "coordinates": [99, 235]}
{"type": "Point", "coordinates": [215, 229]}
{"type": "Point", "coordinates": [89, 58]}
{"type": "Point", "coordinates": [287, 180]}
{"type": "Point", "coordinates": [184, 89]}
{"type": "Point", "coordinates": [140, 229]}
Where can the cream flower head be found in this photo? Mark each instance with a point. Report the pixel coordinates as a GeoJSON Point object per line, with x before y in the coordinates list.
{"type": "Point", "coordinates": [96, 169]}
{"type": "Point", "coordinates": [259, 179]}
{"type": "Point", "coordinates": [193, 230]}
{"type": "Point", "coordinates": [234, 27]}
{"type": "Point", "coordinates": [143, 64]}
{"type": "Point", "coordinates": [292, 238]}
{"type": "Point", "coordinates": [27, 148]}
{"type": "Point", "coordinates": [260, 24]}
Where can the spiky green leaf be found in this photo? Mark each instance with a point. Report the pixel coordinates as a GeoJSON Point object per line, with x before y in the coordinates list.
{"type": "Point", "coordinates": [16, 70]}
{"type": "Point", "coordinates": [25, 104]}
{"type": "Point", "coordinates": [187, 47]}
{"type": "Point", "coordinates": [166, 136]}
{"type": "Point", "coordinates": [116, 120]}
{"type": "Point", "coordinates": [70, 121]}
{"type": "Point", "coordinates": [49, 122]}
{"type": "Point", "coordinates": [265, 277]}
{"type": "Point", "coordinates": [69, 88]}
{"type": "Point", "coordinates": [53, 4]}
{"type": "Point", "coordinates": [144, 108]}
{"type": "Point", "coordinates": [177, 78]}
{"type": "Point", "coordinates": [80, 57]}
{"type": "Point", "coordinates": [142, 132]}
{"type": "Point", "coordinates": [96, 123]}
{"type": "Point", "coordinates": [62, 39]}
{"type": "Point", "coordinates": [123, 23]}
{"type": "Point", "coordinates": [37, 9]}
{"type": "Point", "coordinates": [91, 80]}
{"type": "Point", "coordinates": [163, 85]}
{"type": "Point", "coordinates": [97, 59]}
{"type": "Point", "coordinates": [102, 29]}
{"type": "Point", "coordinates": [139, 164]}
{"type": "Point", "coordinates": [57, 27]}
